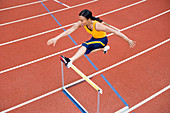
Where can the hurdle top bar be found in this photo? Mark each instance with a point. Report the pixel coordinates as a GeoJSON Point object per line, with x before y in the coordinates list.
{"type": "Point", "coordinates": [87, 79]}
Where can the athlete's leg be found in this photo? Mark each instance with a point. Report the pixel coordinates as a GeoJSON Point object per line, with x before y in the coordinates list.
{"type": "Point", "coordinates": [83, 49]}
{"type": "Point", "coordinates": [97, 50]}
{"type": "Point", "coordinates": [68, 61]}
{"type": "Point", "coordinates": [105, 49]}
{"type": "Point", "coordinates": [79, 53]}
{"type": "Point", "coordinates": [87, 48]}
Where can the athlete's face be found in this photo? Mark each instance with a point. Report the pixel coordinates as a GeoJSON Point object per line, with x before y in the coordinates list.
{"type": "Point", "coordinates": [83, 20]}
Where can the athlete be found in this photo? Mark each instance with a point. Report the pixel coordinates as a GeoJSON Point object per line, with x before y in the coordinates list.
{"type": "Point", "coordinates": [98, 41]}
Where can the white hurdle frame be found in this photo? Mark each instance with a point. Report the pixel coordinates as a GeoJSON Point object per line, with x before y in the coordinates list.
{"type": "Point", "coordinates": [63, 87]}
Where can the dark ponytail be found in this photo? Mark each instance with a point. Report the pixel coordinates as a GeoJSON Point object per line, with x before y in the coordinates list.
{"type": "Point", "coordinates": [88, 14]}
{"type": "Point", "coordinates": [97, 19]}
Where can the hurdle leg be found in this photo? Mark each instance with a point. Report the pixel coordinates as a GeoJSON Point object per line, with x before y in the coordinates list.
{"type": "Point", "coordinates": [98, 102]}
{"type": "Point", "coordinates": [62, 74]}
{"type": "Point", "coordinates": [68, 94]}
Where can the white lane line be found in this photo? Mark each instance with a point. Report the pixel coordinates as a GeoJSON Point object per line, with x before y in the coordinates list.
{"type": "Point", "coordinates": [38, 34]}
{"type": "Point", "coordinates": [62, 3]}
{"type": "Point", "coordinates": [114, 28]}
{"type": "Point", "coordinates": [147, 20]}
{"type": "Point", "coordinates": [22, 5]}
{"type": "Point", "coordinates": [32, 100]}
{"type": "Point", "coordinates": [46, 13]}
{"type": "Point", "coordinates": [13, 41]}
{"type": "Point", "coordinates": [151, 18]}
{"type": "Point", "coordinates": [25, 64]}
{"type": "Point", "coordinates": [111, 26]}
{"type": "Point", "coordinates": [79, 81]}
{"type": "Point", "coordinates": [148, 99]}
{"type": "Point", "coordinates": [37, 60]}
{"type": "Point", "coordinates": [130, 58]}
{"type": "Point", "coordinates": [122, 8]}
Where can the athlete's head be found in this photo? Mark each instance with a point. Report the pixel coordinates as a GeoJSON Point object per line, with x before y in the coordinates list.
{"type": "Point", "coordinates": [86, 13]}
{"type": "Point", "coordinates": [85, 16]}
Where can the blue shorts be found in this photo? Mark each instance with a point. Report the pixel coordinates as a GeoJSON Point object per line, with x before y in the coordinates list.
{"type": "Point", "coordinates": [93, 44]}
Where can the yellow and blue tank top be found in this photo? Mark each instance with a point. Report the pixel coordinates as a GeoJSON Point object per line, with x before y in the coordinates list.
{"type": "Point", "coordinates": [96, 34]}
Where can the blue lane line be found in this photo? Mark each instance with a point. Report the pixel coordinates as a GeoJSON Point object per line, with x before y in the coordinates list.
{"type": "Point", "coordinates": [91, 62]}
{"type": "Point", "coordinates": [75, 103]}
{"type": "Point", "coordinates": [108, 82]}
{"type": "Point", "coordinates": [60, 2]}
{"type": "Point", "coordinates": [114, 90]}
{"type": "Point", "coordinates": [58, 23]}
{"type": "Point", "coordinates": [89, 59]}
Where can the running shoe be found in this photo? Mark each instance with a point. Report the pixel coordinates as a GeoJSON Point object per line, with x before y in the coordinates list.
{"type": "Point", "coordinates": [106, 48]}
{"type": "Point", "coordinates": [66, 61]}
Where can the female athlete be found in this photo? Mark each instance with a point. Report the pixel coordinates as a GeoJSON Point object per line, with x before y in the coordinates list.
{"type": "Point", "coordinates": [98, 41]}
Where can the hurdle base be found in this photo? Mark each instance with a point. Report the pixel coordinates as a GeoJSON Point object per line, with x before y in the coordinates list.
{"type": "Point", "coordinates": [122, 110]}
{"type": "Point", "coordinates": [81, 108]}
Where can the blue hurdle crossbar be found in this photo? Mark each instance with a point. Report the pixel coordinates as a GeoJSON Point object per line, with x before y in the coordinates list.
{"type": "Point", "coordinates": [79, 106]}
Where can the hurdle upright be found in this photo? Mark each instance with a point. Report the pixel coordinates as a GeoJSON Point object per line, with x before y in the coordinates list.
{"type": "Point", "coordinates": [65, 91]}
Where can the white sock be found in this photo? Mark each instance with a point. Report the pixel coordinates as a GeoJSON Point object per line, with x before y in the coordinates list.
{"type": "Point", "coordinates": [70, 63]}
{"type": "Point", "coordinates": [106, 48]}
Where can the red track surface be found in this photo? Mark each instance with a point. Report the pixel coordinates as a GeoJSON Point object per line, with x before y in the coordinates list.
{"type": "Point", "coordinates": [135, 80]}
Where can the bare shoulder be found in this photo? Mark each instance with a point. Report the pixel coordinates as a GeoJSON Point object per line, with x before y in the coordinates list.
{"type": "Point", "coordinates": [100, 26]}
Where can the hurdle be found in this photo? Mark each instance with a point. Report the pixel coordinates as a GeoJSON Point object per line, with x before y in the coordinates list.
{"type": "Point", "coordinates": [68, 94]}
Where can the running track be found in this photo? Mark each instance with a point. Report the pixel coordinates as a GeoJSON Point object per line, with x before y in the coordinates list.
{"type": "Point", "coordinates": [30, 78]}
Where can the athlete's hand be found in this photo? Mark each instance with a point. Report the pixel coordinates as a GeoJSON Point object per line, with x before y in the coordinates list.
{"type": "Point", "coordinates": [52, 41]}
{"type": "Point", "coordinates": [132, 43]}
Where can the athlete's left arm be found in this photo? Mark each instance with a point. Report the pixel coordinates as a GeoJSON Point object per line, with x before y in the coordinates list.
{"type": "Point", "coordinates": [102, 27]}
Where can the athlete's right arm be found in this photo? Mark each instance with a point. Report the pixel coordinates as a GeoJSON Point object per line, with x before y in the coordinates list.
{"type": "Point", "coordinates": [65, 33]}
